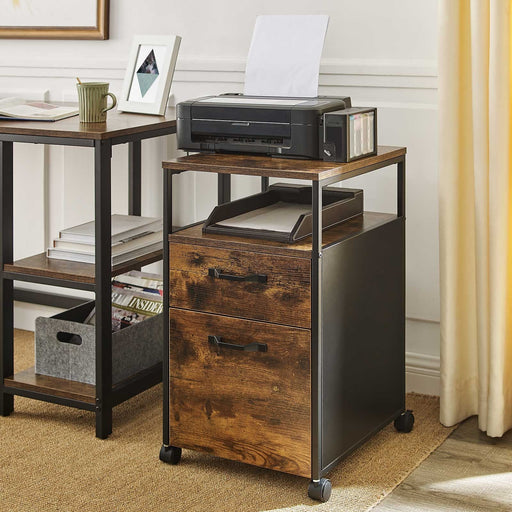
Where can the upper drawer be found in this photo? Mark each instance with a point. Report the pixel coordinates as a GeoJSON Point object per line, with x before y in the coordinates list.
{"type": "Point", "coordinates": [242, 284]}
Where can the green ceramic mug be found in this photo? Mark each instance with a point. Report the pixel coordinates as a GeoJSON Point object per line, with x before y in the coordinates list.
{"type": "Point", "coordinates": [92, 101]}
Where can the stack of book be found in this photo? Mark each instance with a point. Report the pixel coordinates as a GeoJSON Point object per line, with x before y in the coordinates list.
{"type": "Point", "coordinates": [136, 296]}
{"type": "Point", "coordinates": [132, 237]}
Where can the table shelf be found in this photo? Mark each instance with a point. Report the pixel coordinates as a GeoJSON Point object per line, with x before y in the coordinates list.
{"type": "Point", "coordinates": [77, 394]}
{"type": "Point", "coordinates": [71, 272]}
{"type": "Point", "coordinates": [29, 380]}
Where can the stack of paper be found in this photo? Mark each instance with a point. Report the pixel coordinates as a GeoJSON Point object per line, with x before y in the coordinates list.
{"type": "Point", "coordinates": [284, 57]}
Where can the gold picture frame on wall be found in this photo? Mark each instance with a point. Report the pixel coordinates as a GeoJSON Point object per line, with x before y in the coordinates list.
{"type": "Point", "coordinates": [54, 19]}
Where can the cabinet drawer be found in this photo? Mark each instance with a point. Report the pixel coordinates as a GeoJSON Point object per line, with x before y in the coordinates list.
{"type": "Point", "coordinates": [240, 283]}
{"type": "Point", "coordinates": [248, 406]}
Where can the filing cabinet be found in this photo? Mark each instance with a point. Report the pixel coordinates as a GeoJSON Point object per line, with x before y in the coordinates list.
{"type": "Point", "coordinates": [286, 356]}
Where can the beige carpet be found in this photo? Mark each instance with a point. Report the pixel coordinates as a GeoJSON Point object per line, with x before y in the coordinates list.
{"type": "Point", "coordinates": [51, 461]}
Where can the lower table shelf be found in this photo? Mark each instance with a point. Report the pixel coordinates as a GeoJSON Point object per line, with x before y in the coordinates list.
{"type": "Point", "coordinates": [28, 382]}
{"type": "Point", "coordinates": [77, 394]}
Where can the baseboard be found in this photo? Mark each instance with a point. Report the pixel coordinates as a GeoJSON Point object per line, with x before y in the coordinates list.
{"type": "Point", "coordinates": [422, 373]}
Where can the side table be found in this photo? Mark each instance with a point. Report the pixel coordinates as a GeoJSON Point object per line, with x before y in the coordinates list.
{"type": "Point", "coordinates": [120, 128]}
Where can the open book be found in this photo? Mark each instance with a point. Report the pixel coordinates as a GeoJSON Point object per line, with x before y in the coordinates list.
{"type": "Point", "coordinates": [18, 108]}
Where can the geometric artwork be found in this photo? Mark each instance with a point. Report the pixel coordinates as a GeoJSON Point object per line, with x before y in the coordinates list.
{"type": "Point", "coordinates": [147, 73]}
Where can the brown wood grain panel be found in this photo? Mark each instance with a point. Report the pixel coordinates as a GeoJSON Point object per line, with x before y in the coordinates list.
{"type": "Point", "coordinates": [284, 299]}
{"type": "Point", "coordinates": [248, 406]}
{"type": "Point", "coordinates": [117, 124]}
{"type": "Point", "coordinates": [300, 249]}
{"type": "Point", "coordinates": [31, 381]}
{"type": "Point", "coordinates": [40, 265]}
{"type": "Point", "coordinates": [254, 165]}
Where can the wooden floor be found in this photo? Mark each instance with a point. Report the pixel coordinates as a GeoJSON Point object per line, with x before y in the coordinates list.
{"type": "Point", "coordinates": [469, 472]}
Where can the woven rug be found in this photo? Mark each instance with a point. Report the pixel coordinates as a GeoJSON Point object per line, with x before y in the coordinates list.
{"type": "Point", "coordinates": [51, 461]}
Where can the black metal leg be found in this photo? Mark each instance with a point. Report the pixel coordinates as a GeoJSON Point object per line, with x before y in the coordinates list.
{"type": "Point", "coordinates": [316, 333]}
{"type": "Point", "coordinates": [265, 180]}
{"type": "Point", "coordinates": [6, 285]}
{"type": "Point", "coordinates": [400, 169]}
{"type": "Point", "coordinates": [224, 188]}
{"type": "Point", "coordinates": [401, 213]}
{"type": "Point", "coordinates": [102, 192]}
{"type": "Point", "coordinates": [134, 178]}
{"type": "Point", "coordinates": [167, 200]}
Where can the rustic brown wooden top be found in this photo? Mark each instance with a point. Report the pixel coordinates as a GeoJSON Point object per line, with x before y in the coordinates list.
{"type": "Point", "coordinates": [40, 265]}
{"type": "Point", "coordinates": [300, 249]}
{"type": "Point", "coordinates": [313, 170]}
{"type": "Point", "coordinates": [117, 124]}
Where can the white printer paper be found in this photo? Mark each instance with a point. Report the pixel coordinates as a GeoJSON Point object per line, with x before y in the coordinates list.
{"type": "Point", "coordinates": [229, 100]}
{"type": "Point", "coordinates": [284, 57]}
{"type": "Point", "coordinates": [279, 216]}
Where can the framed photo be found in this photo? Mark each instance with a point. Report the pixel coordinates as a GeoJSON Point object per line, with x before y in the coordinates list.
{"type": "Point", "coordinates": [148, 77]}
{"type": "Point", "coordinates": [54, 19]}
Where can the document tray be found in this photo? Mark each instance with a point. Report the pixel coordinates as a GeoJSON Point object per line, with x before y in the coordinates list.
{"type": "Point", "coordinates": [283, 212]}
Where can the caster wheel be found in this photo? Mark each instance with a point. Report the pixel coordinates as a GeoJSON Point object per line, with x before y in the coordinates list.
{"type": "Point", "coordinates": [170, 454]}
{"type": "Point", "coordinates": [404, 422]}
{"type": "Point", "coordinates": [320, 490]}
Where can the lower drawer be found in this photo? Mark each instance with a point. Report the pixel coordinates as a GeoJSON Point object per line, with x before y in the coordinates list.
{"type": "Point", "coordinates": [250, 406]}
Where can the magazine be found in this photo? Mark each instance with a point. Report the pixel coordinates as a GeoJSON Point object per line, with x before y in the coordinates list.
{"type": "Point", "coordinates": [152, 283]}
{"type": "Point", "coordinates": [132, 304]}
{"type": "Point", "coordinates": [20, 109]}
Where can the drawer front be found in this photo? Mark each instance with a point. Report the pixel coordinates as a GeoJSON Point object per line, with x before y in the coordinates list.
{"type": "Point", "coordinates": [212, 280]}
{"type": "Point", "coordinates": [254, 406]}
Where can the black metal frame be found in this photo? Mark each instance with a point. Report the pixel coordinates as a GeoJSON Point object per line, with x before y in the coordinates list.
{"type": "Point", "coordinates": [318, 470]}
{"type": "Point", "coordinates": [107, 396]}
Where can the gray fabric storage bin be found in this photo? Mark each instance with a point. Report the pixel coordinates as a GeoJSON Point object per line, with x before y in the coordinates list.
{"type": "Point", "coordinates": [66, 348]}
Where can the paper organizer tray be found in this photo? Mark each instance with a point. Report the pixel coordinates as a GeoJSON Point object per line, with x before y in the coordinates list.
{"type": "Point", "coordinates": [283, 213]}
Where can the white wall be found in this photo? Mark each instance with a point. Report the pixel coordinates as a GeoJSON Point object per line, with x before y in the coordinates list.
{"type": "Point", "coordinates": [380, 52]}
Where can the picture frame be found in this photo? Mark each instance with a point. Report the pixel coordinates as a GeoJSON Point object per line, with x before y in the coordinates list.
{"type": "Point", "coordinates": [149, 74]}
{"type": "Point", "coordinates": [53, 19]}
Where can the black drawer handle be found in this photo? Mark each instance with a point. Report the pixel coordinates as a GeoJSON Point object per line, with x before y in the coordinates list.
{"type": "Point", "coordinates": [216, 273]}
{"type": "Point", "coordinates": [251, 347]}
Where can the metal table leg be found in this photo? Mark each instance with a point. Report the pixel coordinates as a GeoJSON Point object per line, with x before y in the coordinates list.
{"type": "Point", "coordinates": [167, 200]}
{"type": "Point", "coordinates": [319, 488]}
{"type": "Point", "coordinates": [6, 285]}
{"type": "Point", "coordinates": [102, 197]}
{"type": "Point", "coordinates": [169, 454]}
{"type": "Point", "coordinates": [134, 178]}
{"type": "Point", "coordinates": [400, 170]}
{"type": "Point", "coordinates": [224, 188]}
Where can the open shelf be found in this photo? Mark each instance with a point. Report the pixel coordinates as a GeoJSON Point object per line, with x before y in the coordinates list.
{"type": "Point", "coordinates": [41, 266]}
{"type": "Point", "coordinates": [300, 249]}
{"type": "Point", "coordinates": [52, 389]}
{"type": "Point", "coordinates": [29, 380]}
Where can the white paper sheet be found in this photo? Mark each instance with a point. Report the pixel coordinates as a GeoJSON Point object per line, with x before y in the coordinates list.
{"type": "Point", "coordinates": [284, 57]}
{"type": "Point", "coordinates": [252, 101]}
{"type": "Point", "coordinates": [279, 216]}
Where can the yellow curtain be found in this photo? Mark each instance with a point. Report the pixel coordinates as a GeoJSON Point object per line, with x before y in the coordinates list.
{"type": "Point", "coordinates": [475, 176]}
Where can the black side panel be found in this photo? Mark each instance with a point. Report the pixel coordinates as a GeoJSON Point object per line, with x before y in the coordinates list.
{"type": "Point", "coordinates": [364, 337]}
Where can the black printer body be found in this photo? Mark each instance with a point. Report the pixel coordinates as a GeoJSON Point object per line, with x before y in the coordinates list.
{"type": "Point", "coordinates": [288, 127]}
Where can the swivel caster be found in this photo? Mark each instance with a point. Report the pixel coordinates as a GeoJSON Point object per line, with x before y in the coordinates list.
{"type": "Point", "coordinates": [320, 490]}
{"type": "Point", "coordinates": [170, 454]}
{"type": "Point", "coordinates": [404, 422]}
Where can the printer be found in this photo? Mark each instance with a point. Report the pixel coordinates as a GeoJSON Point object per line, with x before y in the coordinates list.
{"type": "Point", "coordinates": [277, 126]}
